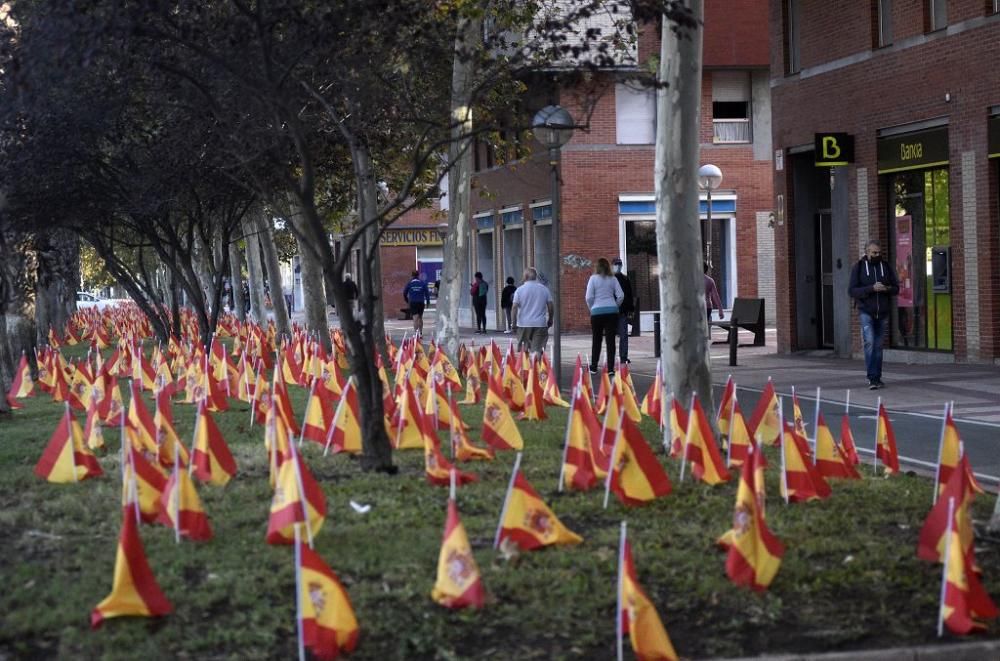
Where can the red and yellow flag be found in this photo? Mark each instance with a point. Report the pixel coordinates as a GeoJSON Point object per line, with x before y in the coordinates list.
{"type": "Point", "coordinates": [885, 439]}
{"type": "Point", "coordinates": [639, 618]}
{"type": "Point", "coordinates": [212, 460]}
{"type": "Point", "coordinates": [181, 508]}
{"type": "Point", "coordinates": [739, 440]}
{"type": "Point", "coordinates": [473, 385]}
{"type": "Point", "coordinates": [93, 434]}
{"type": "Point", "coordinates": [534, 404]}
{"type": "Point", "coordinates": [529, 522]}
{"type": "Point", "coordinates": [603, 392]}
{"type": "Point", "coordinates": [22, 385]}
{"type": "Point", "coordinates": [726, 407]}
{"type": "Point", "coordinates": [797, 420]}
{"type": "Point", "coordinates": [462, 447]}
{"type": "Point", "coordinates": [754, 552]}
{"type": "Point", "coordinates": [706, 462]}
{"type": "Point", "coordinates": [437, 468]}
{"type": "Point", "coordinates": [830, 459]}
{"type": "Point", "coordinates": [66, 457]}
{"type": "Point", "coordinates": [168, 443]}
{"type": "Point", "coordinates": [678, 427]}
{"type": "Point", "coordinates": [847, 442]}
{"type": "Point", "coordinates": [458, 584]}
{"type": "Point", "coordinates": [652, 403]}
{"type": "Point", "coordinates": [134, 590]}
{"type": "Point", "coordinates": [328, 622]}
{"type": "Point", "coordinates": [580, 470]}
{"type": "Point", "coordinates": [345, 429]}
{"type": "Point", "coordinates": [764, 423]}
{"type": "Point", "coordinates": [964, 600]}
{"type": "Point", "coordinates": [297, 497]}
{"type": "Point", "coordinates": [139, 425]}
{"type": "Point", "coordinates": [931, 543]}
{"type": "Point", "coordinates": [801, 480]}
{"type": "Point", "coordinates": [547, 375]}
{"type": "Point", "coordinates": [499, 429]}
{"type": "Point", "coordinates": [148, 483]}
{"type": "Point", "coordinates": [408, 431]}
{"type": "Point", "coordinates": [637, 476]}
{"type": "Point", "coordinates": [951, 451]}
{"type": "Point", "coordinates": [319, 414]}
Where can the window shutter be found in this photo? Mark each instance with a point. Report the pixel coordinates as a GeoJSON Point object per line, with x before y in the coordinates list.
{"type": "Point", "coordinates": [731, 86]}
{"type": "Point", "coordinates": [635, 115]}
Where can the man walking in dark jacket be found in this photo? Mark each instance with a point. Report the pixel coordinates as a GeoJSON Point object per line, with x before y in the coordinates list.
{"type": "Point", "coordinates": [417, 295]}
{"type": "Point", "coordinates": [872, 283]}
{"type": "Point", "coordinates": [625, 310]}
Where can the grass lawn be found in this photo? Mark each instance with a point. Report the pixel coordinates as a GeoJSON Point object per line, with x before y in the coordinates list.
{"type": "Point", "coordinates": [850, 577]}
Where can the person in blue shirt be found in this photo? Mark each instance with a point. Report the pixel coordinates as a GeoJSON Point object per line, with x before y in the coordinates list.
{"type": "Point", "coordinates": [417, 295]}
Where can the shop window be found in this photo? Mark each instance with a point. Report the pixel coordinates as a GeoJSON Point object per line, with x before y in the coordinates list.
{"type": "Point", "coordinates": [920, 237]}
{"type": "Point", "coordinates": [731, 106]}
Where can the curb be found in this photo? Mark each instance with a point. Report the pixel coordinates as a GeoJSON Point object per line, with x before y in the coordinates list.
{"type": "Point", "coordinates": [976, 651]}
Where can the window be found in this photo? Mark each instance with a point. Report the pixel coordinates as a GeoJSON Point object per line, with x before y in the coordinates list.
{"type": "Point", "coordinates": [937, 14]}
{"type": "Point", "coordinates": [792, 36]}
{"type": "Point", "coordinates": [731, 106]}
{"type": "Point", "coordinates": [635, 114]}
{"type": "Point", "coordinates": [883, 22]}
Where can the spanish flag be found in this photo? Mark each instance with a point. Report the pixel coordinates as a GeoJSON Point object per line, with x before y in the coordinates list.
{"type": "Point", "coordinates": [134, 590]}
{"type": "Point", "coordinates": [847, 442]}
{"type": "Point", "coordinates": [678, 427]}
{"type": "Point", "coordinates": [579, 469]}
{"type": "Point", "coordinates": [297, 499]}
{"type": "Point", "coordinates": [499, 429]}
{"type": "Point", "coordinates": [964, 601]}
{"type": "Point", "coordinates": [623, 382]}
{"type": "Point", "coordinates": [603, 392]}
{"type": "Point", "coordinates": [281, 399]}
{"type": "Point", "coordinates": [951, 452]}
{"type": "Point", "coordinates": [764, 423]}
{"type": "Point", "coordinates": [319, 414]}
{"type": "Point", "coordinates": [637, 613]}
{"type": "Point", "coordinates": [546, 374]}
{"type": "Point", "coordinates": [613, 413]}
{"type": "Point", "coordinates": [700, 448]}
{"type": "Point", "coordinates": [276, 443]}
{"type": "Point", "coordinates": [534, 404]}
{"type": "Point", "coordinates": [139, 425]}
{"type": "Point", "coordinates": [754, 553]}
{"type": "Point", "coordinates": [801, 481]}
{"type": "Point", "coordinates": [436, 466]}
{"type": "Point", "coordinates": [473, 386]}
{"type": "Point", "coordinates": [22, 385]}
{"type": "Point", "coordinates": [408, 433]}
{"type": "Point", "coordinates": [528, 522]}
{"type": "Point", "coordinates": [726, 407]}
{"type": "Point", "coordinates": [328, 622]}
{"type": "Point", "coordinates": [66, 457]}
{"type": "Point", "coordinates": [463, 448]}
{"type": "Point", "coordinates": [739, 441]}
{"type": "Point", "coordinates": [458, 584]}
{"type": "Point", "coordinates": [212, 460]}
{"type": "Point", "coordinates": [169, 445]}
{"type": "Point", "coordinates": [830, 459]}
{"type": "Point", "coordinates": [147, 481]}
{"type": "Point", "coordinates": [637, 476]}
{"type": "Point", "coordinates": [181, 508]}
{"type": "Point", "coordinates": [652, 403]}
{"type": "Point", "coordinates": [513, 388]}
{"type": "Point", "coordinates": [885, 441]}
{"type": "Point", "coordinates": [797, 420]}
{"type": "Point", "coordinates": [345, 428]}
{"type": "Point", "coordinates": [93, 434]}
{"type": "Point", "coordinates": [931, 542]}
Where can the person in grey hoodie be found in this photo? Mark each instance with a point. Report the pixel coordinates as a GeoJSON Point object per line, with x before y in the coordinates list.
{"type": "Point", "coordinates": [872, 283]}
{"type": "Point", "coordinates": [604, 296]}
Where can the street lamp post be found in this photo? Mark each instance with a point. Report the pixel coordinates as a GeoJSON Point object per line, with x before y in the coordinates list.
{"type": "Point", "coordinates": [709, 178]}
{"type": "Point", "coordinates": [553, 127]}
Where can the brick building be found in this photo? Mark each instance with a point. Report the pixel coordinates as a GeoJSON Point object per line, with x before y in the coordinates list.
{"type": "Point", "coordinates": [911, 84]}
{"type": "Point", "coordinates": [607, 191]}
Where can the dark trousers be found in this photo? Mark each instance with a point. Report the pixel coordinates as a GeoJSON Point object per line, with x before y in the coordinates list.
{"type": "Point", "coordinates": [603, 326]}
{"type": "Point", "coordinates": [479, 303]}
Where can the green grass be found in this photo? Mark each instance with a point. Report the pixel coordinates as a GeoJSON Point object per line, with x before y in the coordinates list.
{"type": "Point", "coordinates": [850, 578]}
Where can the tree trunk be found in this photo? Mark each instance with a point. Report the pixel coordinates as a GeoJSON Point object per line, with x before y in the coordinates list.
{"type": "Point", "coordinates": [236, 281]}
{"type": "Point", "coordinates": [456, 243]}
{"type": "Point", "coordinates": [58, 276]}
{"type": "Point", "coordinates": [201, 258]}
{"type": "Point", "coordinates": [255, 272]}
{"type": "Point", "coordinates": [266, 235]}
{"type": "Point", "coordinates": [313, 294]}
{"type": "Point", "coordinates": [678, 227]}
{"type": "Point", "coordinates": [994, 524]}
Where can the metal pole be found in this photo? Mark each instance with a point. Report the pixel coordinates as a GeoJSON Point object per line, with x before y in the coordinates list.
{"type": "Point", "coordinates": [708, 230]}
{"type": "Point", "coordinates": [554, 158]}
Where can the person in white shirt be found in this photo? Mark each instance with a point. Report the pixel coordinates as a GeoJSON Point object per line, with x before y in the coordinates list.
{"type": "Point", "coordinates": [603, 297]}
{"type": "Point", "coordinates": [531, 312]}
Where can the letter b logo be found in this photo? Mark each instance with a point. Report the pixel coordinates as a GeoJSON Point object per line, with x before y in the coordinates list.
{"type": "Point", "coordinates": [831, 151]}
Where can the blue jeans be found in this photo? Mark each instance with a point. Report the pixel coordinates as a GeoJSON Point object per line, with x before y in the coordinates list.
{"type": "Point", "coordinates": [623, 337]}
{"type": "Point", "coordinates": [872, 332]}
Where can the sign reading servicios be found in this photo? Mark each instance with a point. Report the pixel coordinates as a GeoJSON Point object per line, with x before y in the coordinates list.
{"type": "Point", "coordinates": [833, 149]}
{"type": "Point", "coordinates": [909, 151]}
{"type": "Point", "coordinates": [411, 236]}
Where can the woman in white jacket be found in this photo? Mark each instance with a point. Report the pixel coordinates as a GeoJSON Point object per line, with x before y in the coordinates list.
{"type": "Point", "coordinates": [603, 297]}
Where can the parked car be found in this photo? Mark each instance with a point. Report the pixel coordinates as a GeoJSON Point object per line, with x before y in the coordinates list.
{"type": "Point", "coordinates": [86, 300]}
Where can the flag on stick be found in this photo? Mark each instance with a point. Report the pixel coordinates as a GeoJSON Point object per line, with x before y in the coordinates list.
{"type": "Point", "coordinates": [327, 622]}
{"type": "Point", "coordinates": [526, 520]}
{"type": "Point", "coordinates": [637, 615]}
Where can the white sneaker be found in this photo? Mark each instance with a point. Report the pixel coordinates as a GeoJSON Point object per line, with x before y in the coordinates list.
{"type": "Point", "coordinates": [508, 332]}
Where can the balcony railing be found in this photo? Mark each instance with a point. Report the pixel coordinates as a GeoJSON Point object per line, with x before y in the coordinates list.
{"type": "Point", "coordinates": [731, 131]}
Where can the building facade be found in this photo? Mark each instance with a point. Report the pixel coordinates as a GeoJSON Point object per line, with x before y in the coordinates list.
{"type": "Point", "coordinates": [886, 125]}
{"type": "Point", "coordinates": [607, 202]}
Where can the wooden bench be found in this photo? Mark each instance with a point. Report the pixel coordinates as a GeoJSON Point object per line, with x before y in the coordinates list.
{"type": "Point", "coordinates": [748, 314]}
